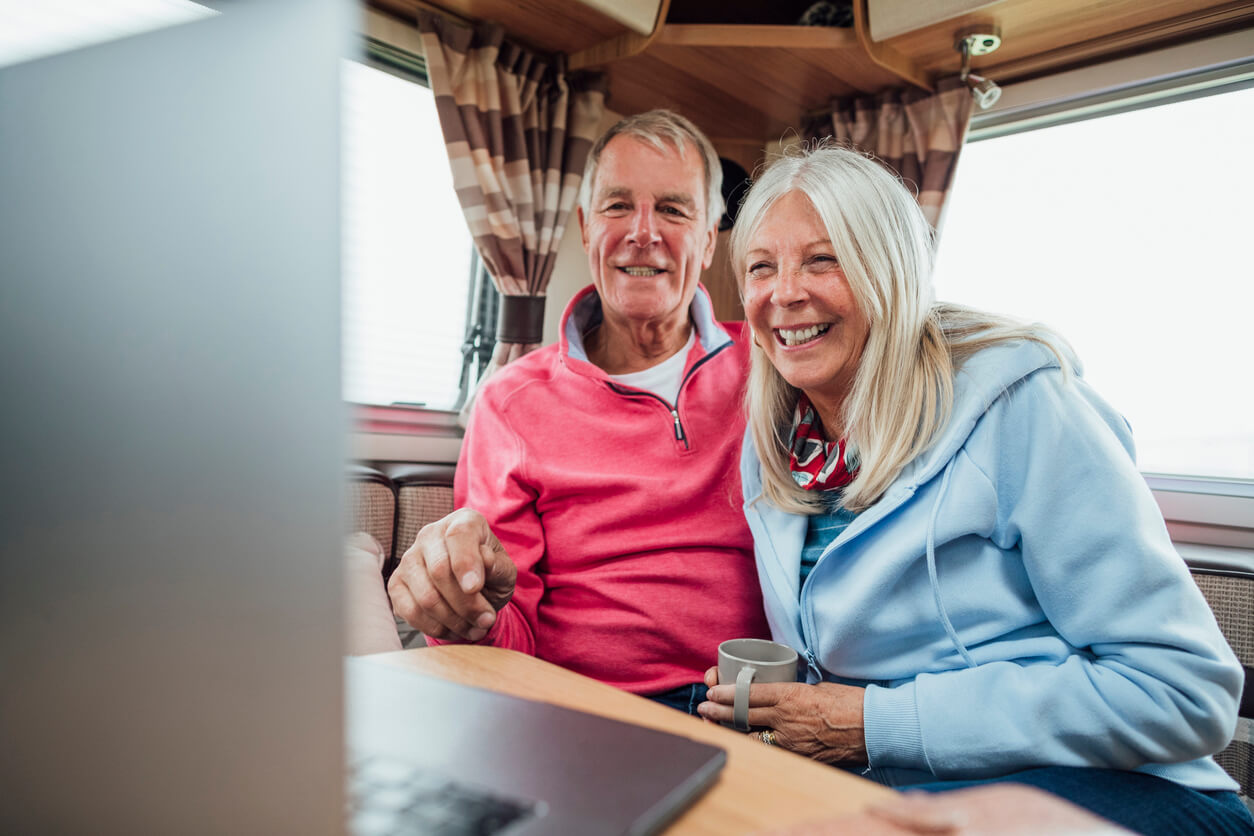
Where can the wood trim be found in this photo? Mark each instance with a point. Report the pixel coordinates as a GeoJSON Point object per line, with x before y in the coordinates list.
{"type": "Point", "coordinates": [405, 10]}
{"type": "Point", "coordinates": [758, 37]}
{"type": "Point", "coordinates": [546, 26]}
{"type": "Point", "coordinates": [885, 56]}
{"type": "Point", "coordinates": [1210, 21]}
{"type": "Point", "coordinates": [623, 46]}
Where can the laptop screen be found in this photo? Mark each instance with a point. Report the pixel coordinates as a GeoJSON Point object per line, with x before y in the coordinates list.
{"type": "Point", "coordinates": [170, 624]}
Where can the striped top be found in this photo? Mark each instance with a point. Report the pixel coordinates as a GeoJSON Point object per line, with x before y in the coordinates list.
{"type": "Point", "coordinates": [821, 530]}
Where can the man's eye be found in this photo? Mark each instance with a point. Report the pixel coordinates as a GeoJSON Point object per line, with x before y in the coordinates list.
{"type": "Point", "coordinates": [671, 210]}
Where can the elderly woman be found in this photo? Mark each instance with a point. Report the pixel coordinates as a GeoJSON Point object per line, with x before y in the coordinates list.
{"type": "Point", "coordinates": [951, 531]}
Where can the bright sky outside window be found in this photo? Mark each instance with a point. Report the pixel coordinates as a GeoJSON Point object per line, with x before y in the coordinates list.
{"type": "Point", "coordinates": [1131, 235]}
{"type": "Point", "coordinates": [406, 246]}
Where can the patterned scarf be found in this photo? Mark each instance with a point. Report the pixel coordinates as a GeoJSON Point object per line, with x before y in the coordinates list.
{"type": "Point", "coordinates": [818, 464]}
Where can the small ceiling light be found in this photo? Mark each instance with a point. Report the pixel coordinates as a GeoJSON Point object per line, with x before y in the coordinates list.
{"type": "Point", "coordinates": [979, 41]}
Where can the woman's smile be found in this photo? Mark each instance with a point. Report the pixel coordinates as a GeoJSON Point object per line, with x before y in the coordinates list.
{"type": "Point", "coordinates": [801, 335]}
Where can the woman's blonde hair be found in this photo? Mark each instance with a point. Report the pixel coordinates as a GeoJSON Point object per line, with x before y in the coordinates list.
{"type": "Point", "coordinates": [903, 390]}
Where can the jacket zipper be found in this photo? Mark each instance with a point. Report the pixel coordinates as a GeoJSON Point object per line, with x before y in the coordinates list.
{"type": "Point", "coordinates": [673, 409]}
{"type": "Point", "coordinates": [812, 664]}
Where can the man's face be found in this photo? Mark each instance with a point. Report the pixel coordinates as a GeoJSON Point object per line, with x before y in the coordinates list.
{"type": "Point", "coordinates": [646, 231]}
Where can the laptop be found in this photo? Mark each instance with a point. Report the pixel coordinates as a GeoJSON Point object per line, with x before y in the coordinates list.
{"type": "Point", "coordinates": [174, 437]}
{"type": "Point", "coordinates": [440, 757]}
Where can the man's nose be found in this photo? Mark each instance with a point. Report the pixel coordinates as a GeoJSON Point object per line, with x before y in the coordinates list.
{"type": "Point", "coordinates": [643, 227]}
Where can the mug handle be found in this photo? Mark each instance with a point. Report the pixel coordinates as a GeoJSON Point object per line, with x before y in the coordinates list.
{"type": "Point", "coordinates": [740, 709]}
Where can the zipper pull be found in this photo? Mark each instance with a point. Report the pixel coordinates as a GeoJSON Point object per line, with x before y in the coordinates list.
{"type": "Point", "coordinates": [813, 672]}
{"type": "Point", "coordinates": [679, 428]}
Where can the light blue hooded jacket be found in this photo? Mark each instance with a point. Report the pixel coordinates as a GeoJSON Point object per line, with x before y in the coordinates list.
{"type": "Point", "coordinates": [1013, 599]}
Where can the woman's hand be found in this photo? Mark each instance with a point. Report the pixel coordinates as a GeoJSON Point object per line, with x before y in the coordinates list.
{"type": "Point", "coordinates": [821, 721]}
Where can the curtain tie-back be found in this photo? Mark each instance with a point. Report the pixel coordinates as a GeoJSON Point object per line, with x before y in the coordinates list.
{"type": "Point", "coordinates": [520, 320]}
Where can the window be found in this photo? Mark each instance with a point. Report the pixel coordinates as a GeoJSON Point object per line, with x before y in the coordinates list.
{"type": "Point", "coordinates": [407, 254]}
{"type": "Point", "coordinates": [33, 30]}
{"type": "Point", "coordinates": [1130, 234]}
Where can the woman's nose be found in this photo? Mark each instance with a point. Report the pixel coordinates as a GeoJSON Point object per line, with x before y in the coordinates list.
{"type": "Point", "coordinates": [788, 289]}
{"type": "Point", "coordinates": [643, 228]}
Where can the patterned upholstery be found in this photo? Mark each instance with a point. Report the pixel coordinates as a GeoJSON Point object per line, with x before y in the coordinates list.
{"type": "Point", "coordinates": [424, 494]}
{"type": "Point", "coordinates": [392, 502]}
{"type": "Point", "coordinates": [370, 501]}
{"type": "Point", "coordinates": [1230, 592]}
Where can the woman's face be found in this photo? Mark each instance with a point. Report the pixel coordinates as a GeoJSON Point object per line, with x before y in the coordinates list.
{"type": "Point", "coordinates": [800, 306]}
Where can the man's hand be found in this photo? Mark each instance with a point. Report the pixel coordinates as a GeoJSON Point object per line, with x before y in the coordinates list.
{"type": "Point", "coordinates": [454, 579]}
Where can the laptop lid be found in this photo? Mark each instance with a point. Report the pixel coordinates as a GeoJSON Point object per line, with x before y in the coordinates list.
{"type": "Point", "coordinates": [574, 772]}
{"type": "Point", "coordinates": [170, 624]}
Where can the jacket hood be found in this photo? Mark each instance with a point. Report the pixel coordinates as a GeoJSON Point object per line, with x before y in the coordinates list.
{"type": "Point", "coordinates": [982, 379]}
{"type": "Point", "coordinates": [979, 381]}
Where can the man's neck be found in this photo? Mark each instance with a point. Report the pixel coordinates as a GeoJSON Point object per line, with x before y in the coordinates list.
{"type": "Point", "coordinates": [626, 347]}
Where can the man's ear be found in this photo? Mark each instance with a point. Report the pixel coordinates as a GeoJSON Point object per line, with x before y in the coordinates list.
{"type": "Point", "coordinates": [710, 245]}
{"type": "Point", "coordinates": [583, 230]}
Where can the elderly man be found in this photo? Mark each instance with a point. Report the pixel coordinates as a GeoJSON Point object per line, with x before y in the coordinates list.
{"type": "Point", "coordinates": [611, 540]}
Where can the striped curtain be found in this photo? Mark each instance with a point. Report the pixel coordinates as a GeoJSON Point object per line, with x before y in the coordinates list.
{"type": "Point", "coordinates": [518, 132]}
{"type": "Point", "coordinates": [916, 134]}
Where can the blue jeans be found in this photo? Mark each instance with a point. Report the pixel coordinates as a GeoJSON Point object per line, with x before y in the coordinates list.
{"type": "Point", "coordinates": [685, 698]}
{"type": "Point", "coordinates": [1142, 803]}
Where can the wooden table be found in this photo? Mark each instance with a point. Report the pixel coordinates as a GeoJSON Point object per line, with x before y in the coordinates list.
{"type": "Point", "coordinates": [760, 788]}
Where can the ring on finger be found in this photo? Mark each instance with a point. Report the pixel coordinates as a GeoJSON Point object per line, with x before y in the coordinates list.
{"type": "Point", "coordinates": [767, 737]}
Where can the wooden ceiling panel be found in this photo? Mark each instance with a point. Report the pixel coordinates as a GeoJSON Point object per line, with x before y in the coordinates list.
{"type": "Point", "coordinates": [751, 82]}
{"type": "Point", "coordinates": [549, 25]}
{"type": "Point", "coordinates": [737, 81]}
{"type": "Point", "coordinates": [853, 67]}
{"type": "Point", "coordinates": [833, 52]}
{"type": "Point", "coordinates": [769, 87]}
{"type": "Point", "coordinates": [648, 83]}
{"type": "Point", "coordinates": [734, 95]}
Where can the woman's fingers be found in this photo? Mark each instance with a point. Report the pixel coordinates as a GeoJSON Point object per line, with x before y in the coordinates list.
{"type": "Point", "coordinates": [821, 721]}
{"type": "Point", "coordinates": [759, 695]}
{"type": "Point", "coordinates": [762, 701]}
